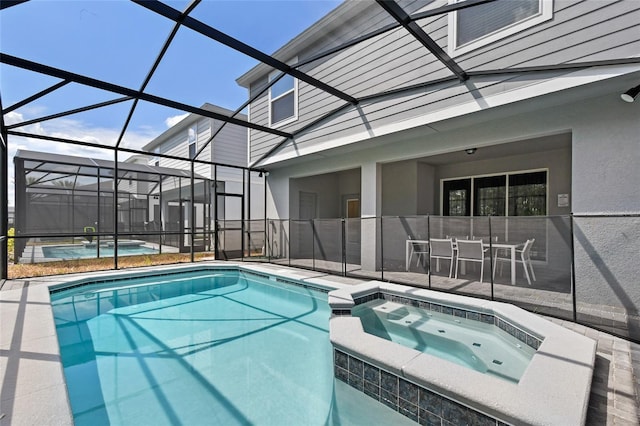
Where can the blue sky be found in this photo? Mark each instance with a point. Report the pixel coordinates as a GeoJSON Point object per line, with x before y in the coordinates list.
{"type": "Point", "coordinates": [117, 41]}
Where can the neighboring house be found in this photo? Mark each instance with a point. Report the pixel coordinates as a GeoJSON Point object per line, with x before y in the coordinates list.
{"type": "Point", "coordinates": [193, 133]}
{"type": "Point", "coordinates": [525, 130]}
{"type": "Point", "coordinates": [62, 194]}
{"type": "Point", "coordinates": [240, 194]}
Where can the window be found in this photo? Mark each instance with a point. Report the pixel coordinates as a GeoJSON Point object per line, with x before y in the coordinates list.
{"type": "Point", "coordinates": [283, 99]}
{"type": "Point", "coordinates": [193, 141]}
{"type": "Point", "coordinates": [457, 197]}
{"type": "Point", "coordinates": [480, 25]}
{"type": "Point", "coordinates": [527, 195]}
{"type": "Point", "coordinates": [508, 194]}
{"type": "Point", "coordinates": [490, 195]}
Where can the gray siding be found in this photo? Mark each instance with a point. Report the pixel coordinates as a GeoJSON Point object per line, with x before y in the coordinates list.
{"type": "Point", "coordinates": [579, 31]}
{"type": "Point", "coordinates": [229, 147]}
{"type": "Point", "coordinates": [393, 109]}
{"type": "Point", "coordinates": [203, 135]}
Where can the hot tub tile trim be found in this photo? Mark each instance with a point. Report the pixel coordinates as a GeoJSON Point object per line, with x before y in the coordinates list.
{"type": "Point", "coordinates": [410, 399]}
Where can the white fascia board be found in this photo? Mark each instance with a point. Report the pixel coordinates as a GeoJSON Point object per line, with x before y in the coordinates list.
{"type": "Point", "coordinates": [533, 90]}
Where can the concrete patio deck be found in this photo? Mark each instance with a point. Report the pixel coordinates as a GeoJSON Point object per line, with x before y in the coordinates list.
{"type": "Point", "coordinates": [33, 390]}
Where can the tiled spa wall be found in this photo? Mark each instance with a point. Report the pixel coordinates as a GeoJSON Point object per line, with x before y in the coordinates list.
{"type": "Point", "coordinates": [413, 401]}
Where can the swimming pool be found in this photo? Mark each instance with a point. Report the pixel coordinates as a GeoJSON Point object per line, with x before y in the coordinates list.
{"type": "Point", "coordinates": [203, 347]}
{"type": "Point", "coordinates": [90, 251]}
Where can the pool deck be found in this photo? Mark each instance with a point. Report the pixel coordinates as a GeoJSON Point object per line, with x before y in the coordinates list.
{"type": "Point", "coordinates": [33, 390]}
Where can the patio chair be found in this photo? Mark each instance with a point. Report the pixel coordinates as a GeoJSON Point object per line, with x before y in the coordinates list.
{"type": "Point", "coordinates": [420, 249]}
{"type": "Point", "coordinates": [442, 248]}
{"type": "Point", "coordinates": [523, 256]}
{"type": "Point", "coordinates": [472, 251]}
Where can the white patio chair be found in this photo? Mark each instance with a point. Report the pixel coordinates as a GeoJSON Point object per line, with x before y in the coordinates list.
{"type": "Point", "coordinates": [471, 251]}
{"type": "Point", "coordinates": [523, 256]}
{"type": "Point", "coordinates": [442, 248]}
{"type": "Point", "coordinates": [421, 250]}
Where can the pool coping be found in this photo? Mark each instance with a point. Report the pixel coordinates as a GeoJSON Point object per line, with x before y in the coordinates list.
{"type": "Point", "coordinates": [564, 355]}
{"type": "Point", "coordinates": [31, 369]}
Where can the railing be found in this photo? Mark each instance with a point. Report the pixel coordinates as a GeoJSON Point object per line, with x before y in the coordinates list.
{"type": "Point", "coordinates": [585, 268]}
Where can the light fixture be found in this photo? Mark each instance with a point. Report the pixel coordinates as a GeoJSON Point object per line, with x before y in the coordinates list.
{"type": "Point", "coordinates": [470, 150]}
{"type": "Point", "coordinates": [260, 174]}
{"type": "Point", "coordinates": [631, 94]}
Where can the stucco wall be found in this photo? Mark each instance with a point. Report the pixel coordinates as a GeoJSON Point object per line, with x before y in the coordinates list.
{"type": "Point", "coordinates": [606, 155]}
{"type": "Point", "coordinates": [399, 188]}
{"type": "Point", "coordinates": [606, 159]}
{"type": "Point", "coordinates": [607, 252]}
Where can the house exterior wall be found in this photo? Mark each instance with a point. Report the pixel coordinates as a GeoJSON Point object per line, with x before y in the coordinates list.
{"type": "Point", "coordinates": [599, 172]}
{"type": "Point", "coordinates": [426, 193]}
{"type": "Point", "coordinates": [579, 31]}
{"type": "Point", "coordinates": [400, 188]}
{"type": "Point", "coordinates": [386, 136]}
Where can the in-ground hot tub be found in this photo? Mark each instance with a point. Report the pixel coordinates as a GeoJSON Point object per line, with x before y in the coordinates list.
{"type": "Point", "coordinates": [394, 363]}
{"type": "Point", "coordinates": [472, 343]}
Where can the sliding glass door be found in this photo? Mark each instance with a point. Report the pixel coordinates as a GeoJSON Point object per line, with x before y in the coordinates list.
{"type": "Point", "coordinates": [512, 194]}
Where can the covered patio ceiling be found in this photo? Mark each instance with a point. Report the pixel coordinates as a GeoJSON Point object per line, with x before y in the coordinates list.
{"type": "Point", "coordinates": [129, 92]}
{"type": "Point", "coordinates": [507, 149]}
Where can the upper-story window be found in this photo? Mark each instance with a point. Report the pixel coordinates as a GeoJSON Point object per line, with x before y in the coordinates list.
{"type": "Point", "coordinates": [480, 25]}
{"type": "Point", "coordinates": [193, 141]}
{"type": "Point", "coordinates": [283, 99]}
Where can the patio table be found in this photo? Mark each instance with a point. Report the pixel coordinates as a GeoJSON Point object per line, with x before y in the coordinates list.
{"type": "Point", "coordinates": [500, 246]}
{"type": "Point", "coordinates": [512, 249]}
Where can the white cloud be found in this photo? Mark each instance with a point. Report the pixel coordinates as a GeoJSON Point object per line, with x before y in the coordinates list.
{"type": "Point", "coordinates": [12, 118]}
{"type": "Point", "coordinates": [172, 121]}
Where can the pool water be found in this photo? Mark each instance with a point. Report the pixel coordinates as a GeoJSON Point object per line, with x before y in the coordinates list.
{"type": "Point", "coordinates": [82, 252]}
{"type": "Point", "coordinates": [204, 347]}
{"type": "Point", "coordinates": [472, 344]}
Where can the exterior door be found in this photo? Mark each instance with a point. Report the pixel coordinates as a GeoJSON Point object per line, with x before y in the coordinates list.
{"type": "Point", "coordinates": [175, 224]}
{"type": "Point", "coordinates": [229, 226]}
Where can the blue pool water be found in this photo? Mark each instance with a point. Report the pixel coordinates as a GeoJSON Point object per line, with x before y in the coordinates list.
{"type": "Point", "coordinates": [81, 252]}
{"type": "Point", "coordinates": [205, 347]}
